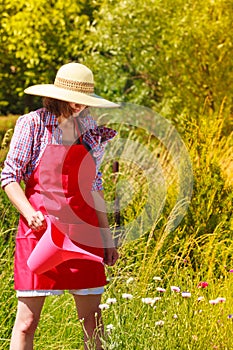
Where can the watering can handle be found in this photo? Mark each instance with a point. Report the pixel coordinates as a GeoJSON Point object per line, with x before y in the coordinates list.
{"type": "Point", "coordinates": [33, 232]}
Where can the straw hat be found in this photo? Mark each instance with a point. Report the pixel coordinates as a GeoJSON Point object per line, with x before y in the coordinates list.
{"type": "Point", "coordinates": [74, 82]}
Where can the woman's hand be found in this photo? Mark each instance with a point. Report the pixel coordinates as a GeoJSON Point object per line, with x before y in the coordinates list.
{"type": "Point", "coordinates": [110, 252]}
{"type": "Point", "coordinates": [36, 221]}
{"type": "Point", "coordinates": [110, 256]}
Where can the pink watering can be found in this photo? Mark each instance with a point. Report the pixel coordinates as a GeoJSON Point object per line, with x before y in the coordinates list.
{"type": "Point", "coordinates": [53, 248]}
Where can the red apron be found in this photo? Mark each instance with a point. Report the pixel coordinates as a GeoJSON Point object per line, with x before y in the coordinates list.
{"type": "Point", "coordinates": [60, 187]}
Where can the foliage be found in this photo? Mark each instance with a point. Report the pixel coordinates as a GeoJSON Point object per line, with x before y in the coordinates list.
{"type": "Point", "coordinates": [169, 55]}
{"type": "Point", "coordinates": [174, 56]}
{"type": "Point", "coordinates": [37, 38]}
{"type": "Point", "coordinates": [165, 54]}
{"type": "Point", "coordinates": [200, 249]}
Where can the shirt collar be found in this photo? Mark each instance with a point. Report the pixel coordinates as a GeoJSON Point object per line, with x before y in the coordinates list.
{"type": "Point", "coordinates": [49, 118]}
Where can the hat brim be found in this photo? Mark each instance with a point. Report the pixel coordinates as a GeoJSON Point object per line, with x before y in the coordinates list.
{"type": "Point", "coordinates": [50, 90]}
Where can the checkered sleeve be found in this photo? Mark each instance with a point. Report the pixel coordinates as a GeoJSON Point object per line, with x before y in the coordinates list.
{"type": "Point", "coordinates": [19, 155]}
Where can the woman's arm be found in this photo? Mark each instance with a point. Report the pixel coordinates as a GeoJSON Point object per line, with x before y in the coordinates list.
{"type": "Point", "coordinates": [111, 254]}
{"type": "Point", "coordinates": [17, 197]}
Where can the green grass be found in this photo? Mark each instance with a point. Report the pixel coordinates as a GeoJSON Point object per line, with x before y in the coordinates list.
{"type": "Point", "coordinates": [199, 249]}
{"type": "Point", "coordinates": [187, 322]}
{"type": "Point", "coordinates": [7, 122]}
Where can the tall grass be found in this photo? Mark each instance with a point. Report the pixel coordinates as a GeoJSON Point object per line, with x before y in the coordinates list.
{"type": "Point", "coordinates": [199, 250]}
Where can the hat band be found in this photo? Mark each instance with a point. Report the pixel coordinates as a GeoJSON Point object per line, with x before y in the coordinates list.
{"type": "Point", "coordinates": [74, 85]}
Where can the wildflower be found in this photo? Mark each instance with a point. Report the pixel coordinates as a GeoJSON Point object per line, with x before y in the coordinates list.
{"type": "Point", "coordinates": [159, 323]}
{"type": "Point", "coordinates": [157, 278]}
{"type": "Point", "coordinates": [129, 280]}
{"type": "Point", "coordinates": [161, 290]}
{"type": "Point", "coordinates": [103, 306]}
{"type": "Point", "coordinates": [111, 301]}
{"type": "Point", "coordinates": [127, 296]}
{"type": "Point", "coordinates": [149, 301]}
{"type": "Point", "coordinates": [109, 327]}
{"type": "Point", "coordinates": [200, 298]}
{"type": "Point", "coordinates": [186, 294]}
{"type": "Point", "coordinates": [230, 316]}
{"type": "Point", "coordinates": [175, 289]}
{"type": "Point", "coordinates": [213, 301]}
{"type": "Point", "coordinates": [231, 270]}
{"type": "Point", "coordinates": [221, 300]}
{"type": "Point", "coordinates": [157, 298]}
{"type": "Point", "coordinates": [175, 316]}
{"type": "Point", "coordinates": [202, 285]}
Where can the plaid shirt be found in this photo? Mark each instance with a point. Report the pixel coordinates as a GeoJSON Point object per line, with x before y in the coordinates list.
{"type": "Point", "coordinates": [31, 136]}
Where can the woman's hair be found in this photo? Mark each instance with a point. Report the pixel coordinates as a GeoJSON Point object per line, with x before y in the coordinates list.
{"type": "Point", "coordinates": [57, 107]}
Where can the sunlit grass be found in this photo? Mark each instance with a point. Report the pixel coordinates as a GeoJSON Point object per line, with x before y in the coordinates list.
{"type": "Point", "coordinates": [144, 311]}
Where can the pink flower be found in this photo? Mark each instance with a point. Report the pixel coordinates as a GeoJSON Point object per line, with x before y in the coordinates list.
{"type": "Point", "coordinates": [202, 285]}
{"type": "Point", "coordinates": [231, 270]}
{"type": "Point", "coordinates": [175, 289]}
{"type": "Point", "coordinates": [162, 290]}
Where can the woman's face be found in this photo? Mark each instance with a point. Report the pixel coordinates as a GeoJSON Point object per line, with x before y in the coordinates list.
{"type": "Point", "coordinates": [77, 108]}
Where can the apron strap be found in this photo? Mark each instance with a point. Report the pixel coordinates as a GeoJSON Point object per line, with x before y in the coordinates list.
{"type": "Point", "coordinates": [80, 140]}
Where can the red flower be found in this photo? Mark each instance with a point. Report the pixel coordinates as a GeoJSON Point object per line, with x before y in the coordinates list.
{"type": "Point", "coordinates": [202, 285]}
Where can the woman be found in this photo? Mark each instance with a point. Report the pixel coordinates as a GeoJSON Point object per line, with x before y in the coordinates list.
{"type": "Point", "coordinates": [56, 151]}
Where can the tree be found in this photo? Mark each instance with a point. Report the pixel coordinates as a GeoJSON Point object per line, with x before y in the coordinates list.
{"type": "Point", "coordinates": [171, 54]}
{"type": "Point", "coordinates": [37, 38]}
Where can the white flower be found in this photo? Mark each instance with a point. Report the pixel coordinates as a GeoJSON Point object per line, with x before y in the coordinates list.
{"type": "Point", "coordinates": [111, 301]}
{"type": "Point", "coordinates": [157, 278]}
{"type": "Point", "coordinates": [161, 290]}
{"type": "Point", "coordinates": [159, 323]}
{"type": "Point", "coordinates": [200, 298]}
{"type": "Point", "coordinates": [175, 289]}
{"type": "Point", "coordinates": [127, 296]}
{"type": "Point", "coordinates": [186, 295]}
{"type": "Point", "coordinates": [213, 301]}
{"type": "Point", "coordinates": [129, 280]}
{"type": "Point", "coordinates": [149, 301]}
{"type": "Point", "coordinates": [157, 298]}
{"type": "Point", "coordinates": [103, 306]}
{"type": "Point", "coordinates": [109, 327]}
{"type": "Point", "coordinates": [175, 316]}
{"type": "Point", "coordinates": [221, 300]}
{"type": "Point", "coordinates": [217, 300]}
